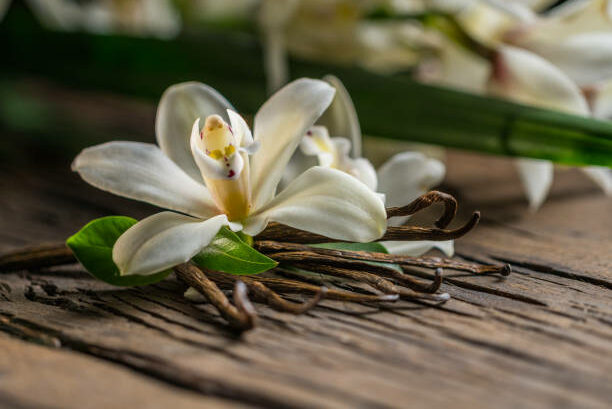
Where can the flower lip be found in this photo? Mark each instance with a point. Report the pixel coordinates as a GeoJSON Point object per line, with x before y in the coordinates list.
{"type": "Point", "coordinates": [214, 150]}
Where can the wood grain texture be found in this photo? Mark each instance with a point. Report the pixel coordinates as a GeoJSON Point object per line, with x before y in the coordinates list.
{"type": "Point", "coordinates": [542, 338]}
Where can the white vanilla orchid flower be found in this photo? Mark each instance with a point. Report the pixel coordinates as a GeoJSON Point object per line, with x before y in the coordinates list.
{"type": "Point", "coordinates": [400, 180]}
{"type": "Point", "coordinates": [221, 175]}
{"type": "Point", "coordinates": [334, 153]}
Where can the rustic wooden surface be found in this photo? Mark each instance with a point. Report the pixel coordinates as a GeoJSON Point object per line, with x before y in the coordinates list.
{"type": "Point", "coordinates": [542, 338]}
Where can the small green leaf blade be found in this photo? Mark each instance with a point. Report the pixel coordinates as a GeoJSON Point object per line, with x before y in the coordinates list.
{"type": "Point", "coordinates": [373, 247]}
{"type": "Point", "coordinates": [229, 254]}
{"type": "Point", "coordinates": [93, 247]}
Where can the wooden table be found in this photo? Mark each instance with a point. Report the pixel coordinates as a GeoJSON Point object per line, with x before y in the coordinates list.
{"type": "Point", "coordinates": [542, 338]}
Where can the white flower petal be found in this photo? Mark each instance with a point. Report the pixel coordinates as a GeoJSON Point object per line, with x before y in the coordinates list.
{"type": "Point", "coordinates": [250, 149]}
{"type": "Point", "coordinates": [342, 146]}
{"type": "Point", "coordinates": [341, 117]}
{"type": "Point", "coordinates": [586, 58]}
{"type": "Point", "coordinates": [240, 129]}
{"type": "Point", "coordinates": [141, 171]}
{"type": "Point", "coordinates": [576, 16]}
{"type": "Point", "coordinates": [327, 202]}
{"type": "Point", "coordinates": [537, 177]}
{"type": "Point", "coordinates": [162, 241]}
{"type": "Point", "coordinates": [179, 106]}
{"type": "Point", "coordinates": [455, 67]}
{"type": "Point", "coordinates": [602, 104]}
{"type": "Point", "coordinates": [280, 124]}
{"type": "Point", "coordinates": [407, 176]}
{"type": "Point", "coordinates": [527, 78]}
{"type": "Point", "coordinates": [487, 21]}
{"type": "Point", "coordinates": [334, 152]}
{"type": "Point", "coordinates": [364, 171]}
{"type": "Point", "coordinates": [602, 176]}
{"type": "Point", "coordinates": [316, 140]}
{"type": "Point", "coordinates": [418, 248]}
{"type": "Point", "coordinates": [317, 143]}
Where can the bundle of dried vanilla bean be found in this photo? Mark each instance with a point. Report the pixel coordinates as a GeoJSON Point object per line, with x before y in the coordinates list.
{"type": "Point", "coordinates": [389, 277]}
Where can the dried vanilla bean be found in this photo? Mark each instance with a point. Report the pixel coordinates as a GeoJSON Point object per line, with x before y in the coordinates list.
{"type": "Point", "coordinates": [424, 201]}
{"type": "Point", "coordinates": [275, 301]}
{"type": "Point", "coordinates": [242, 316]}
{"type": "Point", "coordinates": [373, 280]}
{"type": "Point", "coordinates": [287, 246]}
{"type": "Point", "coordinates": [263, 293]}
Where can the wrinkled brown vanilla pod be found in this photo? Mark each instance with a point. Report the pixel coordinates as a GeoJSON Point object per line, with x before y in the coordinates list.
{"type": "Point", "coordinates": [262, 293]}
{"type": "Point", "coordinates": [375, 281]}
{"type": "Point", "coordinates": [423, 202]}
{"type": "Point", "coordinates": [241, 317]}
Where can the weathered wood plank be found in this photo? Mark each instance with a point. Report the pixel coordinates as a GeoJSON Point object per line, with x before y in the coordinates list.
{"type": "Point", "coordinates": [34, 376]}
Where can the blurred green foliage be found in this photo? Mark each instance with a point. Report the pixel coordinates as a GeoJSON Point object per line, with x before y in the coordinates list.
{"type": "Point", "coordinates": [392, 107]}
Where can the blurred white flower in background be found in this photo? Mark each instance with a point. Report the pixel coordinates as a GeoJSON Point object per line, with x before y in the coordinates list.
{"type": "Point", "coordinates": [534, 52]}
{"type": "Point", "coordinates": [340, 31]}
{"type": "Point", "coordinates": [559, 61]}
{"type": "Point", "coordinates": [155, 18]}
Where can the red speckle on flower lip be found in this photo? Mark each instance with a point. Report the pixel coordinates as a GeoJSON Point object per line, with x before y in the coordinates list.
{"type": "Point", "coordinates": [231, 173]}
{"type": "Point", "coordinates": [309, 133]}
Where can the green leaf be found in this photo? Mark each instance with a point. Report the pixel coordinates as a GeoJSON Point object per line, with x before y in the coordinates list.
{"type": "Point", "coordinates": [373, 247]}
{"type": "Point", "coordinates": [228, 253]}
{"type": "Point", "coordinates": [93, 247]}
